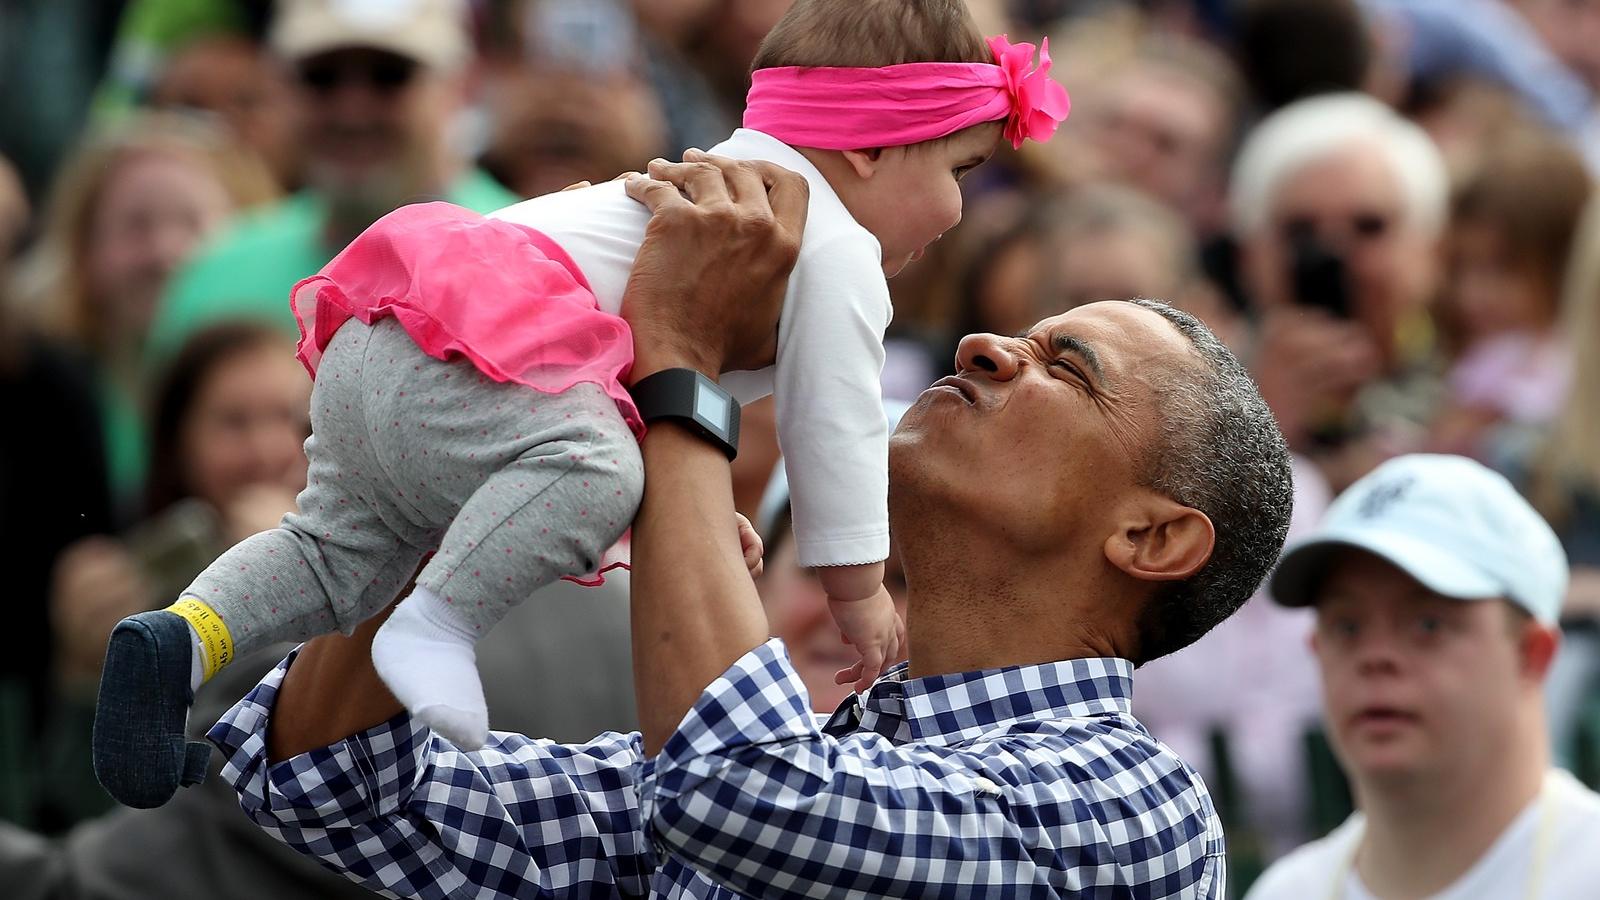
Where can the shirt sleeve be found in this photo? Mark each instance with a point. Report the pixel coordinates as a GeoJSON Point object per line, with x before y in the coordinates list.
{"type": "Point", "coordinates": [399, 809]}
{"type": "Point", "coordinates": [831, 425]}
{"type": "Point", "coordinates": [752, 794]}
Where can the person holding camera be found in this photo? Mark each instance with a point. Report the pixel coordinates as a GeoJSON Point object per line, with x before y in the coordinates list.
{"type": "Point", "coordinates": [1338, 203]}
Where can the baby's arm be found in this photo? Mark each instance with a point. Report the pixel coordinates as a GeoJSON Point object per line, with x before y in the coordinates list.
{"type": "Point", "coordinates": [865, 613]}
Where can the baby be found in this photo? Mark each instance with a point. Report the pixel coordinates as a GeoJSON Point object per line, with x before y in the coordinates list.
{"type": "Point", "coordinates": [469, 393]}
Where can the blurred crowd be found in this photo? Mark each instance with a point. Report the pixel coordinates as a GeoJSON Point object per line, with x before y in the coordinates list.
{"type": "Point", "coordinates": [1384, 207]}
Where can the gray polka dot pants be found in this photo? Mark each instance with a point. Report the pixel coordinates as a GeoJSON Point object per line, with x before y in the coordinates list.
{"type": "Point", "coordinates": [511, 487]}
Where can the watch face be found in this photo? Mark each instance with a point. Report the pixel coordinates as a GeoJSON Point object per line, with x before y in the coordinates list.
{"type": "Point", "coordinates": [710, 407]}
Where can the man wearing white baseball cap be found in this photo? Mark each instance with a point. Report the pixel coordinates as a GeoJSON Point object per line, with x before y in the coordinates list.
{"type": "Point", "coordinates": [1437, 588]}
{"type": "Point", "coordinates": [378, 88]}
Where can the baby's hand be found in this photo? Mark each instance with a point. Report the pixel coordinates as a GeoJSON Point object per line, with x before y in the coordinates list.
{"type": "Point", "coordinates": [750, 543]}
{"type": "Point", "coordinates": [873, 627]}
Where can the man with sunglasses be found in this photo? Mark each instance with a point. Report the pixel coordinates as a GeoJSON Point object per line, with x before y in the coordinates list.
{"type": "Point", "coordinates": [376, 88]}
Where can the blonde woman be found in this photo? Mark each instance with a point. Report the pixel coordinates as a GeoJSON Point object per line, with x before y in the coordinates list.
{"type": "Point", "coordinates": [126, 211]}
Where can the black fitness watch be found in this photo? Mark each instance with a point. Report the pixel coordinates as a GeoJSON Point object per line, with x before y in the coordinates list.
{"type": "Point", "coordinates": [697, 402]}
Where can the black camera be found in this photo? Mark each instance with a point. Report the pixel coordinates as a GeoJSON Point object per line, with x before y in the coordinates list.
{"type": "Point", "coordinates": [1318, 276]}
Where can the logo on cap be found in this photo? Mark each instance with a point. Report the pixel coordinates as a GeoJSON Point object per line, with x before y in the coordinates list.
{"type": "Point", "coordinates": [1380, 498]}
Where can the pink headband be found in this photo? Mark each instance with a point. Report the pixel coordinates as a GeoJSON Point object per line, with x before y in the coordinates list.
{"type": "Point", "coordinates": [891, 106]}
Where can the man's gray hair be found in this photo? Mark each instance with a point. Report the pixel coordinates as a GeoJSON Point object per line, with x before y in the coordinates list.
{"type": "Point", "coordinates": [1220, 452]}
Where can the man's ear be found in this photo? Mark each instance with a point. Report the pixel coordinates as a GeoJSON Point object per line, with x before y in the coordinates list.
{"type": "Point", "coordinates": [1160, 539]}
{"type": "Point", "coordinates": [1538, 644]}
{"type": "Point", "coordinates": [863, 162]}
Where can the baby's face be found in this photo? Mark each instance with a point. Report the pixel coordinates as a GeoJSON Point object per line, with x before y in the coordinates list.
{"type": "Point", "coordinates": [912, 196]}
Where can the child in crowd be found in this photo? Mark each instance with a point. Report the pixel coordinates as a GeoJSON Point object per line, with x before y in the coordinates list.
{"type": "Point", "coordinates": [476, 408]}
{"type": "Point", "coordinates": [1510, 234]}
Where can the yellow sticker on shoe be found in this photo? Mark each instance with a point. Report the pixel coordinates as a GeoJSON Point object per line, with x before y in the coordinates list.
{"type": "Point", "coordinates": [214, 636]}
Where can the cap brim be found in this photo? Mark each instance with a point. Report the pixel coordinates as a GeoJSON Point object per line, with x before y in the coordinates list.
{"type": "Point", "coordinates": [1300, 572]}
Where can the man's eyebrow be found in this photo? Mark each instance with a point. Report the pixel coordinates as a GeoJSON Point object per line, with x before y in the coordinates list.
{"type": "Point", "coordinates": [1066, 343]}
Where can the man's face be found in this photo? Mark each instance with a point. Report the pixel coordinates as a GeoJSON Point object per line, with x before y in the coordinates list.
{"type": "Point", "coordinates": [1162, 132]}
{"type": "Point", "coordinates": [1041, 435]}
{"type": "Point", "coordinates": [1414, 684]}
{"type": "Point", "coordinates": [366, 115]}
{"type": "Point", "coordinates": [1351, 202]}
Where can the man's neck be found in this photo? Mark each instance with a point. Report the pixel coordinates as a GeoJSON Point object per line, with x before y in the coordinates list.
{"type": "Point", "coordinates": [973, 607]}
{"type": "Point", "coordinates": [1424, 835]}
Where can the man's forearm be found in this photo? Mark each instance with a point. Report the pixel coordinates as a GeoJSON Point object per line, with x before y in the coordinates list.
{"type": "Point", "coordinates": [695, 610]}
{"type": "Point", "coordinates": [330, 693]}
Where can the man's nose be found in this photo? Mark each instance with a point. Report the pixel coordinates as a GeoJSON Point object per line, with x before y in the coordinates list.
{"type": "Point", "coordinates": [1378, 650]}
{"type": "Point", "coordinates": [988, 353]}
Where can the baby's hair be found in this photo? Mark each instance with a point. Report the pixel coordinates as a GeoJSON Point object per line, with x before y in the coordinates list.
{"type": "Point", "coordinates": [870, 33]}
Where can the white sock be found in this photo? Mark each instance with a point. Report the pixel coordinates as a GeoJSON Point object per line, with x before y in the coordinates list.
{"type": "Point", "coordinates": [426, 657]}
{"type": "Point", "coordinates": [197, 660]}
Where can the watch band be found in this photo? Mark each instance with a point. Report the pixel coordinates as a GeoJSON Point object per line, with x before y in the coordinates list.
{"type": "Point", "coordinates": [694, 400]}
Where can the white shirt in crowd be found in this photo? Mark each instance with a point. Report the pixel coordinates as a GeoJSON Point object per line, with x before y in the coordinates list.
{"type": "Point", "coordinates": [1551, 851]}
{"type": "Point", "coordinates": [830, 346]}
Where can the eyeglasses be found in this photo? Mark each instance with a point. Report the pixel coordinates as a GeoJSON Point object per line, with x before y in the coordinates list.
{"type": "Point", "coordinates": [385, 73]}
{"type": "Point", "coordinates": [1361, 227]}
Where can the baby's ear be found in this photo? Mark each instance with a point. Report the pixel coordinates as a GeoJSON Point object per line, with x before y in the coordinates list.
{"type": "Point", "coordinates": [863, 162]}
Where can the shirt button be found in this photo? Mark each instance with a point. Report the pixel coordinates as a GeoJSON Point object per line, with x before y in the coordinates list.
{"type": "Point", "coordinates": [984, 786]}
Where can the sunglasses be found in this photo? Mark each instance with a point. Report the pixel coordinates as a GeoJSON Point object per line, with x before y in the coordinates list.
{"type": "Point", "coordinates": [384, 73]}
{"type": "Point", "coordinates": [1361, 226]}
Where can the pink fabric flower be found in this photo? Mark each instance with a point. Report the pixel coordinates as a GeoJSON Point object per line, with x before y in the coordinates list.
{"type": "Point", "coordinates": [1038, 105]}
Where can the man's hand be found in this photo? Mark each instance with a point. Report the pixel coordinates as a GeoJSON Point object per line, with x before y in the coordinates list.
{"type": "Point", "coordinates": [1310, 367]}
{"type": "Point", "coordinates": [706, 291]}
{"type": "Point", "coordinates": [708, 284]}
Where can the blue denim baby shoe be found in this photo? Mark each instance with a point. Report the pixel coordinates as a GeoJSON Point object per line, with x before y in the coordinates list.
{"type": "Point", "coordinates": [141, 750]}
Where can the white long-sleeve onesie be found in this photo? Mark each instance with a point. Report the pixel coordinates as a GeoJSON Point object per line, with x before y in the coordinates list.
{"type": "Point", "coordinates": [831, 426]}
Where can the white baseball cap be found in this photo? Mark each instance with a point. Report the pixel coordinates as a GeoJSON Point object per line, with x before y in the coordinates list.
{"type": "Point", "coordinates": [1457, 527]}
{"type": "Point", "coordinates": [432, 32]}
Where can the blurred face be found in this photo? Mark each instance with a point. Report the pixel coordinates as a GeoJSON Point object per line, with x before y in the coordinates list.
{"type": "Point", "coordinates": [368, 117]}
{"type": "Point", "coordinates": [248, 425]}
{"type": "Point", "coordinates": [1414, 684]}
{"type": "Point", "coordinates": [1113, 264]}
{"type": "Point", "coordinates": [1161, 132]}
{"type": "Point", "coordinates": [153, 212]}
{"type": "Point", "coordinates": [1486, 292]}
{"type": "Point", "coordinates": [1572, 29]}
{"type": "Point", "coordinates": [914, 194]}
{"type": "Point", "coordinates": [1059, 420]}
{"type": "Point", "coordinates": [797, 612]}
{"type": "Point", "coordinates": [1351, 202]}
{"type": "Point", "coordinates": [228, 77]}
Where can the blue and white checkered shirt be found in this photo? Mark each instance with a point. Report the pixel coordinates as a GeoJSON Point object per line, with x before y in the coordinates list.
{"type": "Point", "coordinates": [1030, 781]}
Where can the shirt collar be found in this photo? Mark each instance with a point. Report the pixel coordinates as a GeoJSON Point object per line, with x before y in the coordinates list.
{"type": "Point", "coordinates": [949, 709]}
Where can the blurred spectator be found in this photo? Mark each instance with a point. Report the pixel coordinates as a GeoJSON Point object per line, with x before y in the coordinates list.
{"type": "Point", "coordinates": [1571, 28]}
{"type": "Point", "coordinates": [1465, 117]}
{"type": "Point", "coordinates": [1511, 229]}
{"type": "Point", "coordinates": [229, 424]}
{"type": "Point", "coordinates": [1436, 591]}
{"type": "Point", "coordinates": [52, 493]}
{"type": "Point", "coordinates": [51, 55]}
{"type": "Point", "coordinates": [1293, 49]}
{"type": "Point", "coordinates": [1338, 203]}
{"type": "Point", "coordinates": [552, 128]}
{"type": "Point", "coordinates": [15, 211]}
{"type": "Point", "coordinates": [1164, 121]}
{"type": "Point", "coordinates": [231, 77]}
{"type": "Point", "coordinates": [1024, 257]}
{"type": "Point", "coordinates": [1440, 41]}
{"type": "Point", "coordinates": [1563, 479]}
{"type": "Point", "coordinates": [131, 206]}
{"type": "Point", "coordinates": [149, 33]}
{"type": "Point", "coordinates": [377, 89]}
